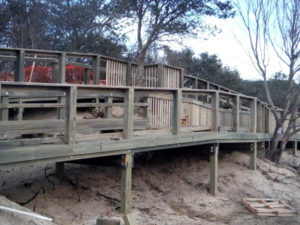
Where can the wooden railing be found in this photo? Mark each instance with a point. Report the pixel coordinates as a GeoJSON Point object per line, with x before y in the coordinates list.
{"type": "Point", "coordinates": [139, 112]}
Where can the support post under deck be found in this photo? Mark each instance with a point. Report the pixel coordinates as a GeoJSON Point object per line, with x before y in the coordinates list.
{"type": "Point", "coordinates": [213, 182]}
{"type": "Point", "coordinates": [253, 155]}
{"type": "Point", "coordinates": [126, 189]}
{"type": "Point", "coordinates": [261, 153]}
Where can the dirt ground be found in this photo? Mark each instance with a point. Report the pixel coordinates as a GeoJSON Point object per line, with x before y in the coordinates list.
{"type": "Point", "coordinates": [168, 189]}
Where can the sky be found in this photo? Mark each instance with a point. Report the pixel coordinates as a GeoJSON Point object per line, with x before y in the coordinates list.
{"type": "Point", "coordinates": [231, 46]}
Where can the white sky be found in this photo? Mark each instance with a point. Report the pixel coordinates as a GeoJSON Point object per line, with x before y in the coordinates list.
{"type": "Point", "coordinates": [230, 46]}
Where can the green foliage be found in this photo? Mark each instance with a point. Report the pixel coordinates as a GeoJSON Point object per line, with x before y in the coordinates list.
{"type": "Point", "coordinates": [211, 68]}
{"type": "Point", "coordinates": [68, 25]}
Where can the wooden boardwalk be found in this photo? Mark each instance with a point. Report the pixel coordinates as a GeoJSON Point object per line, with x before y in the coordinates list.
{"type": "Point", "coordinates": [172, 110]}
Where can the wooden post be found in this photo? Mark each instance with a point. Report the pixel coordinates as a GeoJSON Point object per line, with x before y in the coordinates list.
{"type": "Point", "coordinates": [216, 111]}
{"type": "Point", "coordinates": [19, 75]}
{"type": "Point", "coordinates": [295, 150]}
{"type": "Point", "coordinates": [108, 110]}
{"type": "Point", "coordinates": [62, 67]}
{"type": "Point", "coordinates": [128, 75]}
{"type": "Point", "coordinates": [60, 169]}
{"type": "Point", "coordinates": [236, 113]}
{"type": "Point", "coordinates": [181, 81]}
{"type": "Point", "coordinates": [59, 69]}
{"type": "Point", "coordinates": [176, 123]}
{"type": "Point", "coordinates": [267, 121]}
{"type": "Point", "coordinates": [70, 115]}
{"type": "Point", "coordinates": [160, 75]}
{"type": "Point", "coordinates": [253, 155]}
{"type": "Point", "coordinates": [61, 111]}
{"type": "Point", "coordinates": [254, 115]}
{"type": "Point", "coordinates": [5, 111]}
{"type": "Point", "coordinates": [87, 76]}
{"type": "Point", "coordinates": [20, 111]}
{"type": "Point", "coordinates": [126, 183]}
{"type": "Point", "coordinates": [213, 182]}
{"type": "Point", "coordinates": [128, 113]}
{"type": "Point", "coordinates": [96, 69]}
{"type": "Point", "coordinates": [261, 153]}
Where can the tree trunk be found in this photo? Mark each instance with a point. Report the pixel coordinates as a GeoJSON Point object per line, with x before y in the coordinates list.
{"type": "Point", "coordinates": [140, 73]}
{"type": "Point", "coordinates": [274, 153]}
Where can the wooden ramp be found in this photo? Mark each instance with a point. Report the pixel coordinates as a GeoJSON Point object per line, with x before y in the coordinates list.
{"type": "Point", "coordinates": [269, 207]}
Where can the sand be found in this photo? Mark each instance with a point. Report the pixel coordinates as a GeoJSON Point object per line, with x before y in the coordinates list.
{"type": "Point", "coordinates": [167, 189]}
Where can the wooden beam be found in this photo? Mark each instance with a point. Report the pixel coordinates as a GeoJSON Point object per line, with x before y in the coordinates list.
{"type": "Point", "coordinates": [0, 102]}
{"type": "Point", "coordinates": [129, 75]}
{"type": "Point", "coordinates": [62, 67]}
{"type": "Point", "coordinates": [213, 160]}
{"type": "Point", "coordinates": [253, 155]}
{"type": "Point", "coordinates": [261, 152]}
{"type": "Point", "coordinates": [254, 115]}
{"type": "Point", "coordinates": [5, 111]}
{"type": "Point", "coordinates": [20, 110]}
{"type": "Point", "coordinates": [216, 111]}
{"type": "Point", "coordinates": [108, 110]}
{"type": "Point", "coordinates": [181, 81]}
{"type": "Point", "coordinates": [177, 106]}
{"type": "Point", "coordinates": [70, 115]}
{"type": "Point", "coordinates": [19, 75]}
{"type": "Point", "coordinates": [60, 111]}
{"type": "Point", "coordinates": [96, 69]}
{"type": "Point", "coordinates": [295, 149]}
{"type": "Point", "coordinates": [87, 76]}
{"type": "Point", "coordinates": [126, 177]}
{"type": "Point", "coordinates": [128, 113]}
{"type": "Point", "coordinates": [160, 75]}
{"type": "Point", "coordinates": [236, 113]}
{"type": "Point", "coordinates": [267, 120]}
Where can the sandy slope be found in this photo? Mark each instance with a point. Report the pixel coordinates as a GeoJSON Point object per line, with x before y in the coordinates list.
{"type": "Point", "coordinates": [166, 190]}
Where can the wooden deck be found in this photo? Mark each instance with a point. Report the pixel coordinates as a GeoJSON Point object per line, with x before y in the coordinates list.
{"type": "Point", "coordinates": [172, 110]}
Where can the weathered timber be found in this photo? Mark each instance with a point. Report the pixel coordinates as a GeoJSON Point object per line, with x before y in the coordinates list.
{"type": "Point", "coordinates": [126, 177]}
{"type": "Point", "coordinates": [128, 113]}
{"type": "Point", "coordinates": [176, 112]}
{"type": "Point", "coordinates": [253, 155]}
{"type": "Point", "coordinates": [70, 115]}
{"type": "Point", "coordinates": [213, 181]}
{"type": "Point", "coordinates": [19, 75]}
{"type": "Point", "coordinates": [96, 69]}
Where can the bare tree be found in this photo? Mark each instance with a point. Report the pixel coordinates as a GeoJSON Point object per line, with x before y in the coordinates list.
{"type": "Point", "coordinates": [158, 19]}
{"type": "Point", "coordinates": [274, 26]}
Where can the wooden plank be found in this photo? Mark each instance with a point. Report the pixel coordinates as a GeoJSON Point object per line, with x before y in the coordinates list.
{"type": "Point", "coordinates": [4, 111]}
{"type": "Point", "coordinates": [70, 115]}
{"type": "Point", "coordinates": [253, 155]}
{"type": "Point", "coordinates": [295, 149]}
{"type": "Point", "coordinates": [52, 126]}
{"type": "Point", "coordinates": [129, 219]}
{"type": "Point", "coordinates": [60, 111]}
{"type": "Point", "coordinates": [20, 110]}
{"type": "Point", "coordinates": [254, 115]}
{"type": "Point", "coordinates": [32, 105]}
{"type": "Point", "coordinates": [213, 181]}
{"type": "Point", "coordinates": [62, 67]}
{"type": "Point", "coordinates": [177, 107]}
{"type": "Point", "coordinates": [108, 110]}
{"type": "Point", "coordinates": [160, 75]}
{"type": "Point", "coordinates": [126, 177]}
{"type": "Point", "coordinates": [216, 111]}
{"type": "Point", "coordinates": [236, 113]}
{"type": "Point", "coordinates": [271, 207]}
{"type": "Point", "coordinates": [19, 74]}
{"type": "Point", "coordinates": [87, 76]}
{"type": "Point", "coordinates": [128, 113]}
{"type": "Point", "coordinates": [96, 69]}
